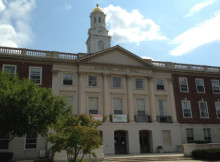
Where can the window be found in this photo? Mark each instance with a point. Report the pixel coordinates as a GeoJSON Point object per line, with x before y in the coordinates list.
{"type": "Point", "coordinates": [207, 135]}
{"type": "Point", "coordinates": [117, 105]}
{"type": "Point", "coordinates": [189, 135]}
{"type": "Point", "coordinates": [215, 86]}
{"type": "Point", "coordinates": [67, 79]}
{"type": "Point", "coordinates": [166, 137]}
{"type": "Point", "coordinates": [200, 86]}
{"type": "Point", "coordinates": [4, 142]}
{"type": "Point", "coordinates": [203, 109]}
{"type": "Point", "coordinates": [186, 108]}
{"type": "Point", "coordinates": [31, 141]}
{"type": "Point", "coordinates": [140, 107]}
{"type": "Point", "coordinates": [162, 107]}
{"type": "Point", "coordinates": [99, 19]}
{"type": "Point", "coordinates": [217, 106]}
{"type": "Point", "coordinates": [35, 74]}
{"type": "Point", "coordinates": [93, 105]}
{"type": "Point", "coordinates": [101, 45]}
{"type": "Point", "coordinates": [10, 69]}
{"type": "Point", "coordinates": [116, 82]}
{"type": "Point", "coordinates": [160, 85]}
{"type": "Point", "coordinates": [69, 102]}
{"type": "Point", "coordinates": [139, 83]}
{"type": "Point", "coordinates": [183, 84]}
{"type": "Point", "coordinates": [94, 19]}
{"type": "Point", "coordinates": [92, 81]}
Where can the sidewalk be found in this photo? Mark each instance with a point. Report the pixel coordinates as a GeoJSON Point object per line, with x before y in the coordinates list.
{"type": "Point", "coordinates": [148, 157]}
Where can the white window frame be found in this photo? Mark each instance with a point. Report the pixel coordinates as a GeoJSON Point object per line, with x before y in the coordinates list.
{"type": "Point", "coordinates": [113, 106]}
{"type": "Point", "coordinates": [30, 143]}
{"type": "Point", "coordinates": [159, 84]}
{"type": "Point", "coordinates": [4, 65]}
{"type": "Point", "coordinates": [189, 108]}
{"type": "Point", "coordinates": [199, 79]}
{"type": "Point", "coordinates": [144, 106]}
{"type": "Point", "coordinates": [206, 109]}
{"type": "Point", "coordinates": [63, 79]}
{"type": "Point", "coordinates": [209, 132]}
{"type": "Point", "coordinates": [217, 109]}
{"type": "Point", "coordinates": [141, 85]}
{"type": "Point", "coordinates": [186, 84]}
{"type": "Point", "coordinates": [96, 103]}
{"type": "Point", "coordinates": [213, 87]}
{"type": "Point", "coordinates": [113, 86]}
{"type": "Point", "coordinates": [164, 108]}
{"type": "Point", "coordinates": [40, 73]}
{"type": "Point", "coordinates": [189, 129]}
{"type": "Point", "coordinates": [92, 81]}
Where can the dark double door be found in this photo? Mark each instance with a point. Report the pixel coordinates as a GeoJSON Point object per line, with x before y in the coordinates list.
{"type": "Point", "coordinates": [144, 141]}
{"type": "Point", "coordinates": [120, 142]}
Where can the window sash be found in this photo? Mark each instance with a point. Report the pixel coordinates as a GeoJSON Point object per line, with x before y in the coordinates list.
{"type": "Point", "coordinates": [160, 84]}
{"type": "Point", "coordinates": [207, 134]}
{"type": "Point", "coordinates": [117, 105]}
{"type": "Point", "coordinates": [92, 81]}
{"type": "Point", "coordinates": [116, 82]}
{"type": "Point", "coordinates": [217, 107]}
{"type": "Point", "coordinates": [35, 74]}
{"type": "Point", "coordinates": [186, 108]}
{"type": "Point", "coordinates": [162, 108]}
{"type": "Point", "coordinates": [139, 83]}
{"type": "Point", "coordinates": [31, 141]}
{"type": "Point", "coordinates": [93, 105]}
{"type": "Point", "coordinates": [215, 86]}
{"type": "Point", "coordinates": [203, 109]}
{"type": "Point", "coordinates": [140, 104]}
{"type": "Point", "coordinates": [10, 69]}
{"type": "Point", "coordinates": [189, 135]}
{"type": "Point", "coordinates": [200, 85]}
{"type": "Point", "coordinates": [67, 79]}
{"type": "Point", "coordinates": [183, 84]}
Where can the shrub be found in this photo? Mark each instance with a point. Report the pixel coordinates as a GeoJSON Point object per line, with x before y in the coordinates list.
{"type": "Point", "coordinates": [5, 156]}
{"type": "Point", "coordinates": [207, 154]}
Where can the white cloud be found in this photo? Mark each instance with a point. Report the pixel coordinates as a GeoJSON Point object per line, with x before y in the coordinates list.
{"type": "Point", "coordinates": [198, 7]}
{"type": "Point", "coordinates": [68, 6]}
{"type": "Point", "coordinates": [2, 6]}
{"type": "Point", "coordinates": [146, 57]}
{"type": "Point", "coordinates": [204, 33]}
{"type": "Point", "coordinates": [15, 27]}
{"type": "Point", "coordinates": [131, 27]}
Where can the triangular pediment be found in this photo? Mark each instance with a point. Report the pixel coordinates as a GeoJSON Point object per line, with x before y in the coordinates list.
{"type": "Point", "coordinates": [116, 56]}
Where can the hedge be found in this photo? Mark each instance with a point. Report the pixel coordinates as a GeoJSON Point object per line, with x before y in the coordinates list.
{"type": "Point", "coordinates": [5, 156]}
{"type": "Point", "coordinates": [207, 154]}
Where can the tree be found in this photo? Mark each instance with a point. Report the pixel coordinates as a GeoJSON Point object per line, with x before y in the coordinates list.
{"type": "Point", "coordinates": [26, 107]}
{"type": "Point", "coordinates": [75, 134]}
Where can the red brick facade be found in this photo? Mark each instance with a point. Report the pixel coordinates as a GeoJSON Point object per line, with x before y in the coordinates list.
{"type": "Point", "coordinates": [23, 70]}
{"type": "Point", "coordinates": [194, 97]}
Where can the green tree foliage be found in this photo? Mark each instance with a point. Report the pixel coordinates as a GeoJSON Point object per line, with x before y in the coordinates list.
{"type": "Point", "coordinates": [76, 134]}
{"type": "Point", "coordinates": [26, 108]}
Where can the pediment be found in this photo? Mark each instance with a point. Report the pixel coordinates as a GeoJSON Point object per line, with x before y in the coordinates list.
{"type": "Point", "coordinates": [116, 56]}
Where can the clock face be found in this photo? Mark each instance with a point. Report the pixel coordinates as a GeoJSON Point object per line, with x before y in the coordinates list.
{"type": "Point", "coordinates": [100, 31]}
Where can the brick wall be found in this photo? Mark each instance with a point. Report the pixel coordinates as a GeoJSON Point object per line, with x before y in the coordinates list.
{"type": "Point", "coordinates": [23, 71]}
{"type": "Point", "coordinates": [194, 98]}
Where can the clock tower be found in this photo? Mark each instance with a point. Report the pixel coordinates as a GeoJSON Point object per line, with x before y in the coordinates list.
{"type": "Point", "coordinates": [98, 39]}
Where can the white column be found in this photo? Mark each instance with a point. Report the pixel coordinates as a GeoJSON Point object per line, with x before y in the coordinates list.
{"type": "Point", "coordinates": [151, 93]}
{"type": "Point", "coordinates": [81, 94]}
{"type": "Point", "coordinates": [172, 100]}
{"type": "Point", "coordinates": [130, 99]}
{"type": "Point", "coordinates": [106, 96]}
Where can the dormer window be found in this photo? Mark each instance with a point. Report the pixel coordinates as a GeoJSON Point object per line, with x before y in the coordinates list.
{"type": "Point", "coordinates": [99, 19]}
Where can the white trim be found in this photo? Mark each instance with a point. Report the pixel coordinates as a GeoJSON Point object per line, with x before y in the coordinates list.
{"type": "Point", "coordinates": [158, 79]}
{"type": "Point", "coordinates": [206, 108]}
{"type": "Point", "coordinates": [216, 109]}
{"type": "Point", "coordinates": [218, 86]}
{"type": "Point", "coordinates": [40, 73]}
{"type": "Point", "coordinates": [25, 143]}
{"type": "Point", "coordinates": [142, 83]}
{"type": "Point", "coordinates": [3, 67]}
{"type": "Point", "coordinates": [72, 79]}
{"type": "Point", "coordinates": [202, 85]}
{"type": "Point", "coordinates": [189, 108]}
{"type": "Point", "coordinates": [186, 84]}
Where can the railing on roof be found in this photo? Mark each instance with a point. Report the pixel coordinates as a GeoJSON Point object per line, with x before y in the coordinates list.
{"type": "Point", "coordinates": [185, 67]}
{"type": "Point", "coordinates": [38, 53]}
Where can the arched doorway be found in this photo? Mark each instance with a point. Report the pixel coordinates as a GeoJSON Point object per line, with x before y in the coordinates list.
{"type": "Point", "coordinates": [144, 138]}
{"type": "Point", "coordinates": [120, 142]}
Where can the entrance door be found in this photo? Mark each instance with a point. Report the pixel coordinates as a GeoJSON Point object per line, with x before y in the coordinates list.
{"type": "Point", "coordinates": [120, 142]}
{"type": "Point", "coordinates": [144, 141]}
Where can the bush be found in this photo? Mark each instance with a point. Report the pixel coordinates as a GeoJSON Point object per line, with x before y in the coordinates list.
{"type": "Point", "coordinates": [5, 156]}
{"type": "Point", "coordinates": [207, 154]}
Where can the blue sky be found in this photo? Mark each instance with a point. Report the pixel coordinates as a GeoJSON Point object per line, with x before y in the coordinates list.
{"type": "Point", "coordinates": [183, 31]}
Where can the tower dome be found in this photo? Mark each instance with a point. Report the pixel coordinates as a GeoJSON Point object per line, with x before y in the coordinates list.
{"type": "Point", "coordinates": [97, 9]}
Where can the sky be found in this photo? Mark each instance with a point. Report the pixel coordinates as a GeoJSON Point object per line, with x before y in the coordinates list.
{"type": "Point", "coordinates": [181, 31]}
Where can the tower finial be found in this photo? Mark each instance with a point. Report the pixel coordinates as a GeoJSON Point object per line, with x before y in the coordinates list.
{"type": "Point", "coordinates": [97, 5]}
